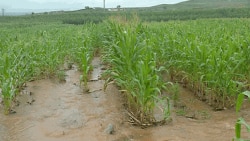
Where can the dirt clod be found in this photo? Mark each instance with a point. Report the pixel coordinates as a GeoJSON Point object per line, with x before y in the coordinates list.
{"type": "Point", "coordinates": [110, 129]}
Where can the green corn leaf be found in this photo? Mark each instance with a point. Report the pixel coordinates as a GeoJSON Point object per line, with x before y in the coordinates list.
{"type": "Point", "coordinates": [238, 124]}
{"type": "Point", "coordinates": [240, 99]}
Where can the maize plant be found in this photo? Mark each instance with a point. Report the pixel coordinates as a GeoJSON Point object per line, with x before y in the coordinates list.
{"type": "Point", "coordinates": [134, 69]}
{"type": "Point", "coordinates": [210, 57]}
{"type": "Point", "coordinates": [84, 51]}
{"type": "Point", "coordinates": [37, 52]}
{"type": "Point", "coordinates": [240, 120]}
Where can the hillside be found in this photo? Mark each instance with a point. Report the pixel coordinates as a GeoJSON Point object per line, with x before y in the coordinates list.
{"type": "Point", "coordinates": [204, 4]}
{"type": "Point", "coordinates": [188, 10]}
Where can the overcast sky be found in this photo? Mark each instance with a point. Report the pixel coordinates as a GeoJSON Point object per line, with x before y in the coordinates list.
{"type": "Point", "coordinates": [13, 5]}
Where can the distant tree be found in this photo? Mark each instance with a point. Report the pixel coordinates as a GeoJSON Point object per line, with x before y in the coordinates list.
{"type": "Point", "coordinates": [3, 12]}
{"type": "Point", "coordinates": [87, 7]}
{"type": "Point", "coordinates": [118, 7]}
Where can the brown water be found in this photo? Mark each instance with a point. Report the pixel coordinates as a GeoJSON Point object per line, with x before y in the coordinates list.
{"type": "Point", "coordinates": [65, 112]}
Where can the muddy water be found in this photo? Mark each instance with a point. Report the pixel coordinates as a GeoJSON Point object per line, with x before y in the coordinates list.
{"type": "Point", "coordinates": [65, 112]}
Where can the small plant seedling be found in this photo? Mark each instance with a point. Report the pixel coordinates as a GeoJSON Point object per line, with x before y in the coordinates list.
{"type": "Point", "coordinates": [240, 121]}
{"type": "Point", "coordinates": [61, 75]}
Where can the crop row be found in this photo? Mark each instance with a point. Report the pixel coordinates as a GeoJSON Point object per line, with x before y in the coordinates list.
{"type": "Point", "coordinates": [30, 53]}
{"type": "Point", "coordinates": [133, 67]}
{"type": "Point", "coordinates": [211, 57]}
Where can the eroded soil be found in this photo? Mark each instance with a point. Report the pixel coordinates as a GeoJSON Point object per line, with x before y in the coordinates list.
{"type": "Point", "coordinates": [65, 112]}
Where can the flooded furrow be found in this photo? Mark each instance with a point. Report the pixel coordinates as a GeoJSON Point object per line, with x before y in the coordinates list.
{"type": "Point", "coordinates": [65, 112]}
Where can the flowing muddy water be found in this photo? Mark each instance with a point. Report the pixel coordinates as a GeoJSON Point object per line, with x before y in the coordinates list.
{"type": "Point", "coordinates": [65, 112]}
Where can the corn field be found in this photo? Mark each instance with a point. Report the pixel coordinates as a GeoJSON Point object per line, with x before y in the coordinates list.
{"type": "Point", "coordinates": [211, 57]}
{"type": "Point", "coordinates": [30, 53]}
{"type": "Point", "coordinates": [134, 68]}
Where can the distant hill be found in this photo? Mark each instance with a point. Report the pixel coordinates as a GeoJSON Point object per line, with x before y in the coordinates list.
{"type": "Point", "coordinates": [188, 10]}
{"type": "Point", "coordinates": [204, 4]}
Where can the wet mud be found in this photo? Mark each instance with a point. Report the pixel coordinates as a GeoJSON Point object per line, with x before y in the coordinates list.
{"type": "Point", "coordinates": [55, 111]}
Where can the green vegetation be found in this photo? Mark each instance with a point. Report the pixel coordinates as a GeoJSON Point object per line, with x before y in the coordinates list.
{"type": "Point", "coordinates": [241, 120]}
{"type": "Point", "coordinates": [209, 56]}
{"type": "Point", "coordinates": [134, 67]}
{"type": "Point", "coordinates": [189, 10]}
{"type": "Point", "coordinates": [29, 53]}
{"type": "Point", "coordinates": [84, 48]}
{"type": "Point", "coordinates": [205, 4]}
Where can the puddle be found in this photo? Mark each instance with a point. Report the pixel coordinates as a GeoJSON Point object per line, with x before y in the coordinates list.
{"type": "Point", "coordinates": [64, 112]}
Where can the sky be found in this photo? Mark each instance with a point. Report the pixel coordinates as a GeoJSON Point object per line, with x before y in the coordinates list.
{"type": "Point", "coordinates": [50, 5]}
